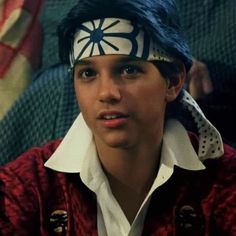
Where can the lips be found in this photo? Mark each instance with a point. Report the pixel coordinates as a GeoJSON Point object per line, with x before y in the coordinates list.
{"type": "Point", "coordinates": [113, 119]}
{"type": "Point", "coordinates": [111, 115]}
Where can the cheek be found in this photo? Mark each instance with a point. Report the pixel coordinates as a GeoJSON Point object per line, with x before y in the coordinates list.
{"type": "Point", "coordinates": [82, 95]}
{"type": "Point", "coordinates": [154, 93]}
{"type": "Point", "coordinates": [84, 100]}
{"type": "Point", "coordinates": [76, 88]}
{"type": "Point", "coordinates": [152, 101]}
{"type": "Point", "coordinates": [85, 103]}
{"type": "Point", "coordinates": [86, 109]}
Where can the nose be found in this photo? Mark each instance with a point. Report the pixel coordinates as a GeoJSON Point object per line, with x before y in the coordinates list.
{"type": "Point", "coordinates": [109, 90]}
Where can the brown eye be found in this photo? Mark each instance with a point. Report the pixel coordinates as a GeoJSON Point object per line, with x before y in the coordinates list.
{"type": "Point", "coordinates": [130, 70]}
{"type": "Point", "coordinates": [86, 74]}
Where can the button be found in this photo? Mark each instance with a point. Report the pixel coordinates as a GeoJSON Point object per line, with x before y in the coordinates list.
{"type": "Point", "coordinates": [187, 217]}
{"type": "Point", "coordinates": [190, 221]}
{"type": "Point", "coordinates": [58, 222]}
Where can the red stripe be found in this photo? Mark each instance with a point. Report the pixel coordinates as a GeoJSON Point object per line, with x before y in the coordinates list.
{"type": "Point", "coordinates": [30, 46]}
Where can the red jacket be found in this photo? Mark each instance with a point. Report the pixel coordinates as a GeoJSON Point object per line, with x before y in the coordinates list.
{"type": "Point", "coordinates": [190, 203]}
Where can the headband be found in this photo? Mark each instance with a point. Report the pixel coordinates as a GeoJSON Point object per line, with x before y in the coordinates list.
{"type": "Point", "coordinates": [110, 36]}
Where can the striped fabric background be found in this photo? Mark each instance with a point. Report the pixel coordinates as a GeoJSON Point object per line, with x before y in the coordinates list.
{"type": "Point", "coordinates": [20, 48]}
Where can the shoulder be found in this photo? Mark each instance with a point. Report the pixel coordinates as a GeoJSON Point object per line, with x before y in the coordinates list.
{"type": "Point", "coordinates": [224, 166]}
{"type": "Point", "coordinates": [28, 165]}
{"type": "Point", "coordinates": [26, 177]}
{"type": "Point", "coordinates": [221, 172]}
{"type": "Point", "coordinates": [35, 154]}
{"type": "Point", "coordinates": [223, 195]}
{"type": "Point", "coordinates": [26, 189]}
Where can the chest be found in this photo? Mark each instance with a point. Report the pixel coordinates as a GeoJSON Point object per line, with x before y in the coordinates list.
{"type": "Point", "coordinates": [180, 207]}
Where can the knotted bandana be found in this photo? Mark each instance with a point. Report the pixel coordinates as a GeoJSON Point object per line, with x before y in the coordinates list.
{"type": "Point", "coordinates": [115, 36]}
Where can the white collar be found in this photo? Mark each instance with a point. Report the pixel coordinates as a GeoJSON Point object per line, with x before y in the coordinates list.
{"type": "Point", "coordinates": [73, 149]}
{"type": "Point", "coordinates": [78, 144]}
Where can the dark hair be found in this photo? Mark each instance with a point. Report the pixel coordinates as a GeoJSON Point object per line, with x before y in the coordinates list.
{"type": "Point", "coordinates": [170, 71]}
{"type": "Point", "coordinates": [176, 109]}
{"type": "Point", "coordinates": [159, 19]}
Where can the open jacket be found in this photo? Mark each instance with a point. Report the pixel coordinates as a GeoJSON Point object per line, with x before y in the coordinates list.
{"type": "Point", "coordinates": [35, 200]}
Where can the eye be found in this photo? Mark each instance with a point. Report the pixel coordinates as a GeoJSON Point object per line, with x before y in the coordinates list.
{"type": "Point", "coordinates": [86, 74]}
{"type": "Point", "coordinates": [130, 70]}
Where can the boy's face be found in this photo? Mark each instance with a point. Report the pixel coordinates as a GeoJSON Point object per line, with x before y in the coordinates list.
{"type": "Point", "coordinates": [122, 99]}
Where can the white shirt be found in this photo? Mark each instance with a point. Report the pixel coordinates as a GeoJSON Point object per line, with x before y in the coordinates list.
{"type": "Point", "coordinates": [77, 154]}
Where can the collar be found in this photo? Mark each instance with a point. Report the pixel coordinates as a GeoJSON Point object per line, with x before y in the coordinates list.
{"type": "Point", "coordinates": [78, 145]}
{"type": "Point", "coordinates": [74, 148]}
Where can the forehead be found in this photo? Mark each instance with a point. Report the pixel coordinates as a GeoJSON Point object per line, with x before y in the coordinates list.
{"type": "Point", "coordinates": [111, 59]}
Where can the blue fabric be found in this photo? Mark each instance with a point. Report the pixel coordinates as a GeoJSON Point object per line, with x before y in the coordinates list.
{"type": "Point", "coordinates": [52, 13]}
{"type": "Point", "coordinates": [45, 111]}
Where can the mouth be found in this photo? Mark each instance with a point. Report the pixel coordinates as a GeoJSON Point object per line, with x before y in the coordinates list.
{"type": "Point", "coordinates": [114, 116]}
{"type": "Point", "coordinates": [113, 119]}
{"type": "Point", "coordinates": [111, 115]}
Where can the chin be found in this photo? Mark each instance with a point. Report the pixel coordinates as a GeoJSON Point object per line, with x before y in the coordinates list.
{"type": "Point", "coordinates": [117, 141]}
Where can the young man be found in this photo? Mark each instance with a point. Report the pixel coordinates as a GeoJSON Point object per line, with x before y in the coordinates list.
{"type": "Point", "coordinates": [127, 166]}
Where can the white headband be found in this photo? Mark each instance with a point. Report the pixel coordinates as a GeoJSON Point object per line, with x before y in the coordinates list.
{"type": "Point", "coordinates": [114, 36]}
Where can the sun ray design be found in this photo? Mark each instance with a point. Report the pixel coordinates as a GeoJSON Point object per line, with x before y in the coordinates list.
{"type": "Point", "coordinates": [92, 49]}
{"type": "Point", "coordinates": [86, 29]}
{"type": "Point", "coordinates": [111, 25]}
{"type": "Point", "coordinates": [102, 36]}
{"type": "Point", "coordinates": [82, 39]}
{"type": "Point", "coordinates": [83, 49]}
{"type": "Point", "coordinates": [111, 45]}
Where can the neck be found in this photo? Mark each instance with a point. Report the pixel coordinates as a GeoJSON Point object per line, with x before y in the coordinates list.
{"type": "Point", "coordinates": [135, 170]}
{"type": "Point", "coordinates": [130, 174]}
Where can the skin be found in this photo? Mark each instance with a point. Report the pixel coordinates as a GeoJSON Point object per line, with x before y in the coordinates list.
{"type": "Point", "coordinates": [198, 80]}
{"type": "Point", "coordinates": [128, 146]}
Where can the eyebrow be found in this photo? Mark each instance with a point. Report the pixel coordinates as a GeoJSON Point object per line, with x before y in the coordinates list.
{"type": "Point", "coordinates": [83, 62]}
{"type": "Point", "coordinates": [124, 59]}
{"type": "Point", "coordinates": [129, 59]}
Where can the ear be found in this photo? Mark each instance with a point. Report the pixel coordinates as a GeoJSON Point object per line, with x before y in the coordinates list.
{"type": "Point", "coordinates": [175, 84]}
